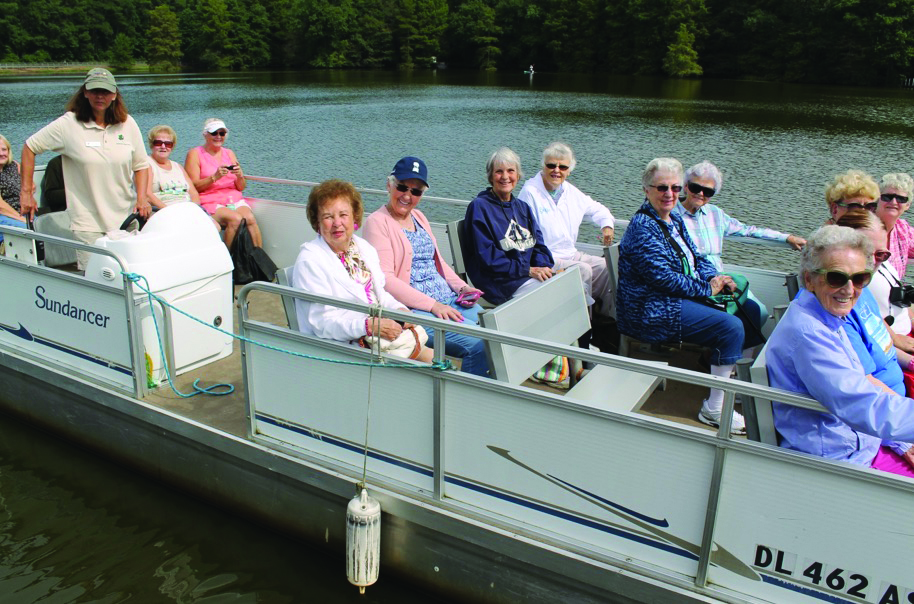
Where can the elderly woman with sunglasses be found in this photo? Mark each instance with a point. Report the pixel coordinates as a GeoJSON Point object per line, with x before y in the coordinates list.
{"type": "Point", "coordinates": [217, 176]}
{"type": "Point", "coordinates": [894, 200]}
{"type": "Point", "coordinates": [415, 272]}
{"type": "Point", "coordinates": [811, 354]}
{"type": "Point", "coordinates": [708, 224]}
{"type": "Point", "coordinates": [663, 279]}
{"type": "Point", "coordinates": [559, 208]}
{"type": "Point", "coordinates": [169, 182]}
{"type": "Point", "coordinates": [850, 190]}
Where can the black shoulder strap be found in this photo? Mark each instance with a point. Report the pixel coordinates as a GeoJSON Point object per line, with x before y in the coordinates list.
{"type": "Point", "coordinates": [686, 267]}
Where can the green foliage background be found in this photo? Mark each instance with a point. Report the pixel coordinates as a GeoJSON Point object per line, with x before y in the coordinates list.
{"type": "Point", "coordinates": [864, 42]}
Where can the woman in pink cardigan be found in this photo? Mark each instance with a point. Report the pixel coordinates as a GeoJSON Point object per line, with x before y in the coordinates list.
{"type": "Point", "coordinates": [416, 274]}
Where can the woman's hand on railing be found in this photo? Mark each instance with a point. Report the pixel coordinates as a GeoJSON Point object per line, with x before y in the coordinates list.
{"type": "Point", "coordinates": [795, 242]}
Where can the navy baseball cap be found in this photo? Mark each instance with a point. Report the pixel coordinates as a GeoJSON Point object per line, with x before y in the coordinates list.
{"type": "Point", "coordinates": [410, 167]}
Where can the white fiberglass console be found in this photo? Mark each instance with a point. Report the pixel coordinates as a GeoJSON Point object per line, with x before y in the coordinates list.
{"type": "Point", "coordinates": [184, 261]}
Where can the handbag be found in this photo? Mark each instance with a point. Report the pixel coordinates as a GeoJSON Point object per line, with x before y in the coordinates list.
{"type": "Point", "coordinates": [250, 262]}
{"type": "Point", "coordinates": [407, 345]}
{"type": "Point", "coordinates": [731, 301]}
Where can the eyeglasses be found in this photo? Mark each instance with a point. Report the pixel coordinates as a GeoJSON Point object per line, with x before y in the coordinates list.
{"type": "Point", "coordinates": [665, 188]}
{"type": "Point", "coordinates": [695, 189]}
{"type": "Point", "coordinates": [412, 191]}
{"type": "Point", "coordinates": [871, 206]}
{"type": "Point", "coordinates": [882, 256]}
{"type": "Point", "coordinates": [161, 143]}
{"type": "Point", "coordinates": [219, 133]}
{"type": "Point", "coordinates": [887, 197]}
{"type": "Point", "coordinates": [838, 279]}
{"type": "Point", "coordinates": [561, 167]}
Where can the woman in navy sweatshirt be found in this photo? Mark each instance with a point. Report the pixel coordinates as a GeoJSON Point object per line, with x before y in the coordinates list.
{"type": "Point", "coordinates": [503, 247]}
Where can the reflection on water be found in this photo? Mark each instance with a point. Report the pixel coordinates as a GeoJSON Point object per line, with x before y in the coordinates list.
{"type": "Point", "coordinates": [777, 144]}
{"type": "Point", "coordinates": [74, 528]}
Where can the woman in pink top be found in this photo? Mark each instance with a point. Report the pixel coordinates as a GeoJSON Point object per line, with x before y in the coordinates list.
{"type": "Point", "coordinates": [414, 271]}
{"type": "Point", "coordinates": [218, 178]}
{"type": "Point", "coordinates": [894, 200]}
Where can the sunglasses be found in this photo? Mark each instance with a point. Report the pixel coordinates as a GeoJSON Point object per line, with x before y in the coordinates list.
{"type": "Point", "coordinates": [882, 256]}
{"type": "Point", "coordinates": [412, 191]}
{"type": "Point", "coordinates": [561, 167]}
{"type": "Point", "coordinates": [665, 188]}
{"type": "Point", "coordinates": [838, 279]}
{"type": "Point", "coordinates": [887, 197]}
{"type": "Point", "coordinates": [695, 189]}
{"type": "Point", "coordinates": [161, 143]}
{"type": "Point", "coordinates": [871, 206]}
{"type": "Point", "coordinates": [219, 133]}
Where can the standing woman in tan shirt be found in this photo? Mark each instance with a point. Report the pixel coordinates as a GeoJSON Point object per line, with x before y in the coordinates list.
{"type": "Point", "coordinates": [104, 161]}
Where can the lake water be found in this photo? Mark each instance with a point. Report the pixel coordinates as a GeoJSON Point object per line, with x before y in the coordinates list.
{"type": "Point", "coordinates": [77, 529]}
{"type": "Point", "coordinates": [777, 144]}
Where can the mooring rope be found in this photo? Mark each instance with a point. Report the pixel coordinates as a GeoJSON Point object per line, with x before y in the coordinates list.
{"type": "Point", "coordinates": [143, 284]}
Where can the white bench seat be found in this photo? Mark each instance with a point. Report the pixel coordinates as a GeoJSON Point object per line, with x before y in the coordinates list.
{"type": "Point", "coordinates": [557, 312]}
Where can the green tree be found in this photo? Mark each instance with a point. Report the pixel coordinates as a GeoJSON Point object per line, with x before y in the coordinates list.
{"type": "Point", "coordinates": [122, 52]}
{"type": "Point", "coordinates": [681, 60]}
{"type": "Point", "coordinates": [474, 34]}
{"type": "Point", "coordinates": [165, 53]}
{"type": "Point", "coordinates": [203, 34]}
{"type": "Point", "coordinates": [418, 44]}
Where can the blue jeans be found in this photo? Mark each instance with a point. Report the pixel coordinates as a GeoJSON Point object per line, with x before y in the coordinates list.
{"type": "Point", "coordinates": [471, 351]}
{"type": "Point", "coordinates": [7, 221]}
{"type": "Point", "coordinates": [725, 334]}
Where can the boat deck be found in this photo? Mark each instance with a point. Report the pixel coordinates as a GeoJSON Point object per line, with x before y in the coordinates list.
{"type": "Point", "coordinates": [227, 412]}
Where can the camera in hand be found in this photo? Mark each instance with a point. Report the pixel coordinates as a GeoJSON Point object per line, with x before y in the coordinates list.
{"type": "Point", "coordinates": [902, 295]}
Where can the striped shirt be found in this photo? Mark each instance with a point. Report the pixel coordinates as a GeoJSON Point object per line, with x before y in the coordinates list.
{"type": "Point", "coordinates": [709, 225]}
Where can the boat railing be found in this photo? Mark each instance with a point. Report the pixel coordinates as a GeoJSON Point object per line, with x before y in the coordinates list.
{"type": "Point", "coordinates": [451, 438]}
{"type": "Point", "coordinates": [24, 259]}
{"type": "Point", "coordinates": [621, 224]}
{"type": "Point", "coordinates": [731, 386]}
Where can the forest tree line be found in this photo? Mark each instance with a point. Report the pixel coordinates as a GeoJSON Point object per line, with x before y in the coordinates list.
{"type": "Point", "coordinates": [864, 42]}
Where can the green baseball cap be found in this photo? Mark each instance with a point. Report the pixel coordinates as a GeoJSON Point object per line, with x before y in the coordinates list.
{"type": "Point", "coordinates": [100, 78]}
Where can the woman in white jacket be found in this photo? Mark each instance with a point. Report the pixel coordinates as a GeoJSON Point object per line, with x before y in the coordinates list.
{"type": "Point", "coordinates": [339, 264]}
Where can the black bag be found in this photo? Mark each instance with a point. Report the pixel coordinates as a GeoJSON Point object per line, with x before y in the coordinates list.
{"type": "Point", "coordinates": [251, 262]}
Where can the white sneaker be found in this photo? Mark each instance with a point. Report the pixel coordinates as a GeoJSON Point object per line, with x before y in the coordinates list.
{"type": "Point", "coordinates": [737, 423]}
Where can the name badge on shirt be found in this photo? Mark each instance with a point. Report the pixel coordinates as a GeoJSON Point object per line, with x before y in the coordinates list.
{"type": "Point", "coordinates": [93, 143]}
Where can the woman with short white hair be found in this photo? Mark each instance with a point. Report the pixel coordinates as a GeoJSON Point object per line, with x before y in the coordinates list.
{"type": "Point", "coordinates": [708, 224]}
{"type": "Point", "coordinates": [560, 208]}
{"type": "Point", "coordinates": [504, 250]}
{"type": "Point", "coordinates": [663, 280]}
{"type": "Point", "coordinates": [894, 200]}
{"type": "Point", "coordinates": [810, 353]}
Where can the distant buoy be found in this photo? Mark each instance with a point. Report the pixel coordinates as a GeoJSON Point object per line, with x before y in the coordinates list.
{"type": "Point", "coordinates": [363, 540]}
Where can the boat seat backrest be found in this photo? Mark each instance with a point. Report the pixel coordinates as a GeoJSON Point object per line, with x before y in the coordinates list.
{"type": "Point", "coordinates": [58, 225]}
{"type": "Point", "coordinates": [611, 256]}
{"type": "Point", "coordinates": [444, 245]}
{"type": "Point", "coordinates": [758, 412]}
{"type": "Point", "coordinates": [284, 277]}
{"type": "Point", "coordinates": [455, 239]}
{"type": "Point", "coordinates": [555, 312]}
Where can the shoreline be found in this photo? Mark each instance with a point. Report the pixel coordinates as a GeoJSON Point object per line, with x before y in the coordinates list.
{"type": "Point", "coordinates": [65, 70]}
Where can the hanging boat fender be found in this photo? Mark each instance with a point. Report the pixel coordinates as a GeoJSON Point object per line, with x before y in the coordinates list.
{"type": "Point", "coordinates": [363, 540]}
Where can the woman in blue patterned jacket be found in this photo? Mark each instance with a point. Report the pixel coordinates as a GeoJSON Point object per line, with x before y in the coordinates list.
{"type": "Point", "coordinates": [662, 280]}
